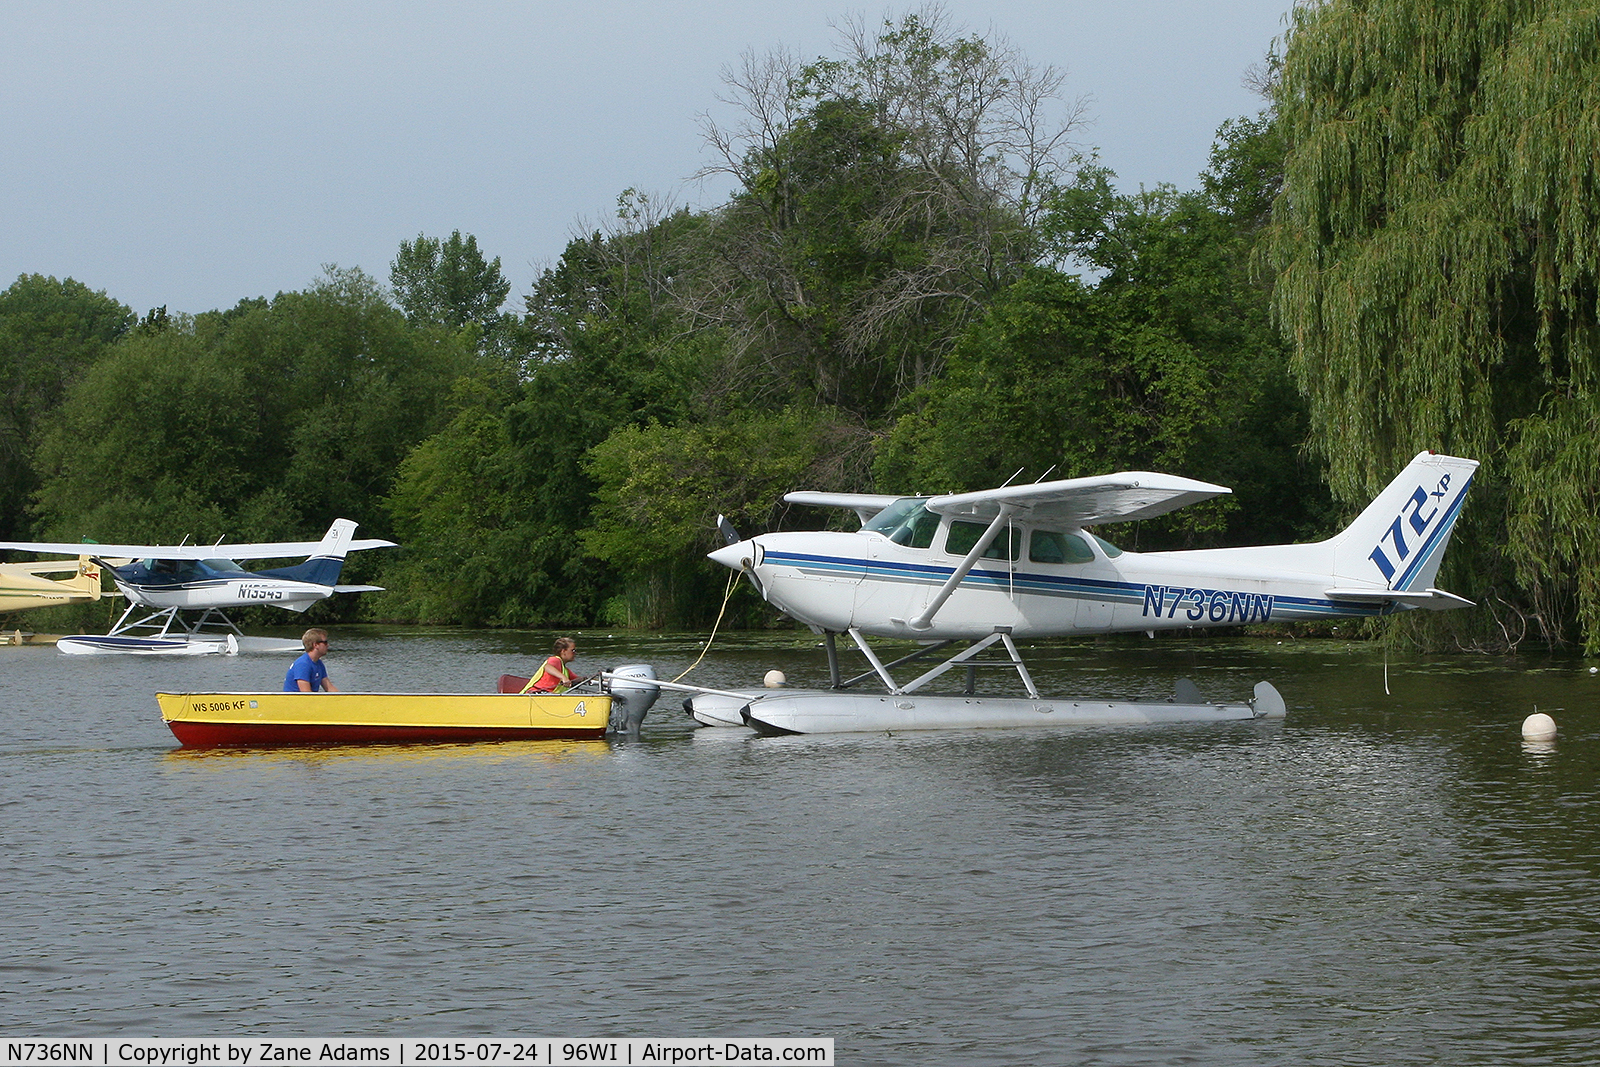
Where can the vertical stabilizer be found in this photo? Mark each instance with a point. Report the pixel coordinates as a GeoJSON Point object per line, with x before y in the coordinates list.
{"type": "Point", "coordinates": [322, 568]}
{"type": "Point", "coordinates": [87, 580]}
{"type": "Point", "coordinates": [336, 542]}
{"type": "Point", "coordinates": [1399, 540]}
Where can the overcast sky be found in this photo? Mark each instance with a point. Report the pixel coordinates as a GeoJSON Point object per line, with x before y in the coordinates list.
{"type": "Point", "coordinates": [194, 154]}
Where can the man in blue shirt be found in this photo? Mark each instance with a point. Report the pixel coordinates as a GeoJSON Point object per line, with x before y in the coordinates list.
{"type": "Point", "coordinates": [308, 674]}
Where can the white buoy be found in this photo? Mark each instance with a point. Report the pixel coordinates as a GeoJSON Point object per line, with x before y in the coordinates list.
{"type": "Point", "coordinates": [774, 679]}
{"type": "Point", "coordinates": [1538, 727]}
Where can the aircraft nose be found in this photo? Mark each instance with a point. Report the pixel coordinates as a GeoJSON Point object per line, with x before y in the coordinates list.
{"type": "Point", "coordinates": [735, 556]}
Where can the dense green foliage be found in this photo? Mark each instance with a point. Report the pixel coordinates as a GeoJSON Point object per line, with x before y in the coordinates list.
{"type": "Point", "coordinates": [1168, 362]}
{"type": "Point", "coordinates": [915, 286]}
{"type": "Point", "coordinates": [1438, 268]}
{"type": "Point", "coordinates": [50, 333]}
{"type": "Point", "coordinates": [264, 422]}
{"type": "Point", "coordinates": [449, 284]}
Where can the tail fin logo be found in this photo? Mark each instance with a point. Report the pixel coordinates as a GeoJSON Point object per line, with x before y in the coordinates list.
{"type": "Point", "coordinates": [1423, 529]}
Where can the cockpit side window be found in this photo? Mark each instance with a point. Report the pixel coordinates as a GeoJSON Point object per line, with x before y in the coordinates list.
{"type": "Point", "coordinates": [906, 522]}
{"type": "Point", "coordinates": [963, 535]}
{"type": "Point", "coordinates": [919, 530]}
{"type": "Point", "coordinates": [1052, 546]}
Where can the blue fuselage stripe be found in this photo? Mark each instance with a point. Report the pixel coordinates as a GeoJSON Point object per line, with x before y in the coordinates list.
{"type": "Point", "coordinates": [1034, 583]}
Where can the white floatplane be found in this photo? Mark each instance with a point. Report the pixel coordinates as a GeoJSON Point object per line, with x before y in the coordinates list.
{"type": "Point", "coordinates": [162, 581]}
{"type": "Point", "coordinates": [1021, 561]}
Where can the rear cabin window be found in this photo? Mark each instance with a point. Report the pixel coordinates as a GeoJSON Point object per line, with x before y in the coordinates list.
{"type": "Point", "coordinates": [1051, 546]}
{"type": "Point", "coordinates": [906, 522]}
{"type": "Point", "coordinates": [1007, 544]}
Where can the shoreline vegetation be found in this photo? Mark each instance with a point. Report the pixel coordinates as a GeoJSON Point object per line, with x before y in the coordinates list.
{"type": "Point", "coordinates": [917, 286]}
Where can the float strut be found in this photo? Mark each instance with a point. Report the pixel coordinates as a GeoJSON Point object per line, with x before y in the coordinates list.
{"type": "Point", "coordinates": [833, 659]}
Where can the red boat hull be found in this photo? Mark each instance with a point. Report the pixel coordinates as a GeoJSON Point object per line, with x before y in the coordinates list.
{"type": "Point", "coordinates": [239, 734]}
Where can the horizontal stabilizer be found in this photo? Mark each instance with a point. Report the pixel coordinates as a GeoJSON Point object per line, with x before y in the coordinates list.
{"type": "Point", "coordinates": [358, 589]}
{"type": "Point", "coordinates": [1430, 598]}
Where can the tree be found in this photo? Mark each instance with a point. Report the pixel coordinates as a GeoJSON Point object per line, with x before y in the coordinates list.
{"type": "Point", "coordinates": [449, 284]}
{"type": "Point", "coordinates": [1058, 379]}
{"type": "Point", "coordinates": [266, 421]}
{"type": "Point", "coordinates": [1437, 249]}
{"type": "Point", "coordinates": [1166, 359]}
{"type": "Point", "coordinates": [608, 351]}
{"type": "Point", "coordinates": [50, 333]}
{"type": "Point", "coordinates": [658, 491]}
{"type": "Point", "coordinates": [884, 198]}
{"type": "Point", "coordinates": [456, 506]}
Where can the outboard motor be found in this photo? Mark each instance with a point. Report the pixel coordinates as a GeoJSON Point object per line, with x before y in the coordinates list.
{"type": "Point", "coordinates": [631, 695]}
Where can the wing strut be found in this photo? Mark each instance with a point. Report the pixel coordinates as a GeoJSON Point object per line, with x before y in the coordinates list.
{"type": "Point", "coordinates": [924, 621]}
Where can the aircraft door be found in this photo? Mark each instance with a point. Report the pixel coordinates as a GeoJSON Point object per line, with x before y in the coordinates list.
{"type": "Point", "coordinates": [900, 578]}
{"type": "Point", "coordinates": [1098, 584]}
{"type": "Point", "coordinates": [1072, 575]}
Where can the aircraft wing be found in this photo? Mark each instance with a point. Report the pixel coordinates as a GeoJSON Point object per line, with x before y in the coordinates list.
{"type": "Point", "coordinates": [865, 505]}
{"type": "Point", "coordinates": [1073, 502]}
{"type": "Point", "coordinates": [259, 550]}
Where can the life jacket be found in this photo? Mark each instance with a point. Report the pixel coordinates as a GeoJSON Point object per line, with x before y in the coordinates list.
{"type": "Point", "coordinates": [562, 675]}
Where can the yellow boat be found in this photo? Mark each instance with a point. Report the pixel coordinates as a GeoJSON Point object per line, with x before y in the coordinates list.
{"type": "Point", "coordinates": [211, 720]}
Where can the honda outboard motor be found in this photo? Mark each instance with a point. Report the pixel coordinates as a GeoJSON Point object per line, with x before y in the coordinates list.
{"type": "Point", "coordinates": [631, 695]}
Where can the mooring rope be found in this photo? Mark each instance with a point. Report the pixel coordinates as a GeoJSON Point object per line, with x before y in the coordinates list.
{"type": "Point", "coordinates": [727, 595]}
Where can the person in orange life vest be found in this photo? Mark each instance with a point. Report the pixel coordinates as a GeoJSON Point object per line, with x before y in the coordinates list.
{"type": "Point", "coordinates": [555, 676]}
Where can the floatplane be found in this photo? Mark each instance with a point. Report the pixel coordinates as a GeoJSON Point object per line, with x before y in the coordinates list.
{"type": "Point", "coordinates": [1022, 561]}
{"type": "Point", "coordinates": [163, 581]}
{"type": "Point", "coordinates": [24, 586]}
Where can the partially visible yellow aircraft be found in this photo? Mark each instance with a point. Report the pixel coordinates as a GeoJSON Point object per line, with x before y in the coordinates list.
{"type": "Point", "coordinates": [23, 585]}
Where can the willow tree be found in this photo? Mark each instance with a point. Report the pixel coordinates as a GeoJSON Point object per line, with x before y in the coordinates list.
{"type": "Point", "coordinates": [1437, 251]}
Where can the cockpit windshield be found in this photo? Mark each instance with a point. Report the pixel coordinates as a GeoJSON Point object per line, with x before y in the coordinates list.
{"type": "Point", "coordinates": [906, 522]}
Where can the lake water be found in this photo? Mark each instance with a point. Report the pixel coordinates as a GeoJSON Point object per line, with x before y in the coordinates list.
{"type": "Point", "coordinates": [1383, 879]}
